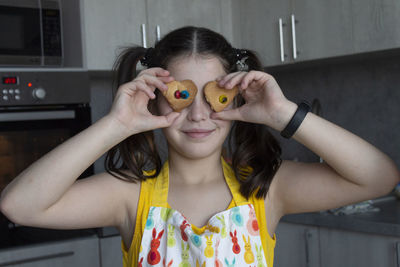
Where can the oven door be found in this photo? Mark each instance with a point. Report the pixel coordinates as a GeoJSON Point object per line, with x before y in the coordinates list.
{"type": "Point", "coordinates": [25, 136]}
{"type": "Point", "coordinates": [20, 32]}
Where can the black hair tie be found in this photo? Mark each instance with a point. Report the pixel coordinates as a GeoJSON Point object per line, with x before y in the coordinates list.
{"type": "Point", "coordinates": [146, 59]}
{"type": "Point", "coordinates": [241, 57]}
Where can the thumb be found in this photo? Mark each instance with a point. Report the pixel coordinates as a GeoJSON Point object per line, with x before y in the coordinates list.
{"type": "Point", "coordinates": [165, 121]}
{"type": "Point", "coordinates": [229, 115]}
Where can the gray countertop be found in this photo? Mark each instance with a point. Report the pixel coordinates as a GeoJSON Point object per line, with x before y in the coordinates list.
{"type": "Point", "coordinates": [384, 222]}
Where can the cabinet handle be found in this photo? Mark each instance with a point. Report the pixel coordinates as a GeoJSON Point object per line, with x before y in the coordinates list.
{"type": "Point", "coordinates": [144, 41]}
{"type": "Point", "coordinates": [39, 258]}
{"type": "Point", "coordinates": [158, 33]}
{"type": "Point", "coordinates": [294, 37]}
{"type": "Point", "coordinates": [281, 39]}
{"type": "Point", "coordinates": [398, 254]}
{"type": "Point", "coordinates": [308, 236]}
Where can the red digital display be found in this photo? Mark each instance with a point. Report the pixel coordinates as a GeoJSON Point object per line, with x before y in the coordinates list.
{"type": "Point", "coordinates": [10, 80]}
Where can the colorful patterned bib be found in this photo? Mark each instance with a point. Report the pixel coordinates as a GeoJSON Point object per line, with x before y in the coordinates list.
{"type": "Point", "coordinates": [230, 238]}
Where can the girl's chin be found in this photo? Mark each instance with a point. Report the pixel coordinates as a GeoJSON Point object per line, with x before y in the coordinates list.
{"type": "Point", "coordinates": [197, 152]}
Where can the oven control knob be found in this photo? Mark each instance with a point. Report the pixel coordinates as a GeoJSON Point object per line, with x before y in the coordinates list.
{"type": "Point", "coordinates": [39, 93]}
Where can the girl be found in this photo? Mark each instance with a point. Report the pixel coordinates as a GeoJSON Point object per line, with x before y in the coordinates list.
{"type": "Point", "coordinates": [196, 208]}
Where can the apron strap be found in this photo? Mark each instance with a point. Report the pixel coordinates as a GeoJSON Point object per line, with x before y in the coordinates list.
{"type": "Point", "coordinates": [233, 184]}
{"type": "Point", "coordinates": [160, 193]}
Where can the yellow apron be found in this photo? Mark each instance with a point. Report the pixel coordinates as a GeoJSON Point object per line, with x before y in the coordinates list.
{"type": "Point", "coordinates": [230, 238]}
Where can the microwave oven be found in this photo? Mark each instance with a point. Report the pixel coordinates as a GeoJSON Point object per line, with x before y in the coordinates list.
{"type": "Point", "coordinates": [31, 33]}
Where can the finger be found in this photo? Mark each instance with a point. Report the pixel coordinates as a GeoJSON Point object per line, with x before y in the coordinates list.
{"type": "Point", "coordinates": [232, 80]}
{"type": "Point", "coordinates": [253, 76]}
{"type": "Point", "coordinates": [156, 71]}
{"type": "Point", "coordinates": [155, 82]}
{"type": "Point", "coordinates": [165, 121]}
{"type": "Point", "coordinates": [142, 86]}
{"type": "Point", "coordinates": [166, 79]}
{"type": "Point", "coordinates": [228, 115]}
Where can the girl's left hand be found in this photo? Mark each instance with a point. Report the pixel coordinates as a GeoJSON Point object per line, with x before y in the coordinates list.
{"type": "Point", "coordinates": [265, 102]}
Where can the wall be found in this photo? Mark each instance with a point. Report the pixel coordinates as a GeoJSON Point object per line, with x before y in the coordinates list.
{"type": "Point", "coordinates": [362, 96]}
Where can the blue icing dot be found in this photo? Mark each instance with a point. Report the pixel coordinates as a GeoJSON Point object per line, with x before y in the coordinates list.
{"type": "Point", "coordinates": [184, 94]}
{"type": "Point", "coordinates": [196, 240]}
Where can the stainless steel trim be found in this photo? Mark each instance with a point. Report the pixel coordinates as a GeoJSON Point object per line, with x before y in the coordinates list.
{"type": "Point", "coordinates": [144, 41]}
{"type": "Point", "coordinates": [294, 37]}
{"type": "Point", "coordinates": [37, 115]}
{"type": "Point", "coordinates": [281, 40]}
{"type": "Point", "coordinates": [41, 34]}
{"type": "Point", "coordinates": [158, 33]}
{"type": "Point", "coordinates": [20, 3]}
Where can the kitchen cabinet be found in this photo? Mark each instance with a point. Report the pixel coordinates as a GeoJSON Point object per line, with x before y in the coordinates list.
{"type": "Point", "coordinates": [258, 21]}
{"type": "Point", "coordinates": [323, 29]}
{"type": "Point", "coordinates": [310, 246]}
{"type": "Point", "coordinates": [78, 252]}
{"type": "Point", "coordinates": [345, 248]}
{"type": "Point", "coordinates": [297, 245]}
{"type": "Point", "coordinates": [110, 251]}
{"type": "Point", "coordinates": [288, 31]}
{"type": "Point", "coordinates": [109, 25]}
{"type": "Point", "coordinates": [376, 24]}
{"type": "Point", "coordinates": [171, 14]}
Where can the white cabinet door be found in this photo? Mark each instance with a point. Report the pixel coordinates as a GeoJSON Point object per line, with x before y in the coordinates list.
{"type": "Point", "coordinates": [323, 29]}
{"type": "Point", "coordinates": [77, 253]}
{"type": "Point", "coordinates": [260, 30]}
{"type": "Point", "coordinates": [297, 245]}
{"type": "Point", "coordinates": [109, 26]}
{"type": "Point", "coordinates": [344, 248]}
{"type": "Point", "coordinates": [173, 14]}
{"type": "Point", "coordinates": [376, 24]}
{"type": "Point", "coordinates": [110, 251]}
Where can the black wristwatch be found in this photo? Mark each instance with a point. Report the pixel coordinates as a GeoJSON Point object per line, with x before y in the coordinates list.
{"type": "Point", "coordinates": [302, 109]}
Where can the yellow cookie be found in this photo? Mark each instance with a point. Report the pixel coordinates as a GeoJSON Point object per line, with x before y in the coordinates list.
{"type": "Point", "coordinates": [219, 97]}
{"type": "Point", "coordinates": [180, 94]}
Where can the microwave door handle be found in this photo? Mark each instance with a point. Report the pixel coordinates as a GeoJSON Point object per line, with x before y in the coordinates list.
{"type": "Point", "coordinates": [37, 115]}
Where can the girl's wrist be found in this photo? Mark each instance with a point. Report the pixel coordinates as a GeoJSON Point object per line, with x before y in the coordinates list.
{"type": "Point", "coordinates": [116, 131]}
{"type": "Point", "coordinates": [283, 115]}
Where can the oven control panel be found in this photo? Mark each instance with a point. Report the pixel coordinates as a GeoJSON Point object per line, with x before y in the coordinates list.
{"type": "Point", "coordinates": [44, 87]}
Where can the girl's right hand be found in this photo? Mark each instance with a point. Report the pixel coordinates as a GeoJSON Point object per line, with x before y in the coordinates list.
{"type": "Point", "coordinates": [130, 106]}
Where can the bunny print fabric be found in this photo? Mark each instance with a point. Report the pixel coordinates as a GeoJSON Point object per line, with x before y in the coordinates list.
{"type": "Point", "coordinates": [230, 238]}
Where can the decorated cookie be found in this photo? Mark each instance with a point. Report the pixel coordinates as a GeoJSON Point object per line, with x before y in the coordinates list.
{"type": "Point", "coordinates": [219, 97]}
{"type": "Point", "coordinates": [180, 94]}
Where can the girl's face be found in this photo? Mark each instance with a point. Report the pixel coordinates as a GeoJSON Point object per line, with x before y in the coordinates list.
{"type": "Point", "coordinates": [194, 134]}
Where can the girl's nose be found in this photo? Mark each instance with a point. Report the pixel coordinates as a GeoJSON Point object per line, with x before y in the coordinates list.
{"type": "Point", "coordinates": [199, 110]}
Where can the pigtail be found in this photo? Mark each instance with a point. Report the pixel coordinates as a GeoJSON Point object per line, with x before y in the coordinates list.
{"type": "Point", "coordinates": [138, 152]}
{"type": "Point", "coordinates": [256, 154]}
{"type": "Point", "coordinates": [256, 157]}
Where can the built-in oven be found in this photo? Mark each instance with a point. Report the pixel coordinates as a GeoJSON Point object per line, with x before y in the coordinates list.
{"type": "Point", "coordinates": [38, 111]}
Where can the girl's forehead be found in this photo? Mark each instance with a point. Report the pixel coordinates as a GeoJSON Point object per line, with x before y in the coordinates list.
{"type": "Point", "coordinates": [196, 68]}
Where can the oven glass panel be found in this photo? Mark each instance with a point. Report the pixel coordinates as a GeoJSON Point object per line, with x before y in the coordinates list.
{"type": "Point", "coordinates": [20, 31]}
{"type": "Point", "coordinates": [19, 149]}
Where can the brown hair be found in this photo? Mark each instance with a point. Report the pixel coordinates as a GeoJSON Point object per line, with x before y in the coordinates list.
{"type": "Point", "coordinates": [250, 145]}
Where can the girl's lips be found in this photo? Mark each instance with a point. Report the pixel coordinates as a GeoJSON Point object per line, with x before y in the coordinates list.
{"type": "Point", "coordinates": [198, 133]}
